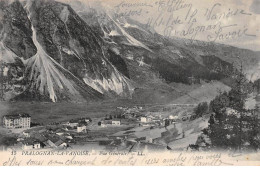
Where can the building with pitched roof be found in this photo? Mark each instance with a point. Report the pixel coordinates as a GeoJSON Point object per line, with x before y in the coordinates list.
{"type": "Point", "coordinates": [17, 121]}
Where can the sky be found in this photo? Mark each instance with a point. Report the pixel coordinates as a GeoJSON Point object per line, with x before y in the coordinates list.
{"type": "Point", "coordinates": [231, 22]}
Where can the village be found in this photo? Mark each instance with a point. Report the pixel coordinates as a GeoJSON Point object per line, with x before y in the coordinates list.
{"type": "Point", "coordinates": [125, 129]}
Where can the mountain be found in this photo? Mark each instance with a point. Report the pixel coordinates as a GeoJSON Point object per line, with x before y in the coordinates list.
{"type": "Point", "coordinates": [56, 51]}
{"type": "Point", "coordinates": [63, 58]}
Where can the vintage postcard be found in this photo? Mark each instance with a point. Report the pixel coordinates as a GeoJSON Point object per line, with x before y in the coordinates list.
{"type": "Point", "coordinates": [129, 82]}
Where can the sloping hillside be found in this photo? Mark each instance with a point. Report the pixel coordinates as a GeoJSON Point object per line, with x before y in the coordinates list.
{"type": "Point", "coordinates": [204, 93]}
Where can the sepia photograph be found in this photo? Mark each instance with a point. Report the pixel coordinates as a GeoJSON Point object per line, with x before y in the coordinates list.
{"type": "Point", "coordinates": [129, 83]}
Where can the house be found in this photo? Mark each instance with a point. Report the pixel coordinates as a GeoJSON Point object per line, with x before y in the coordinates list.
{"type": "Point", "coordinates": [171, 117]}
{"type": "Point", "coordinates": [116, 122]}
{"type": "Point", "coordinates": [184, 118]}
{"type": "Point", "coordinates": [31, 144]}
{"type": "Point", "coordinates": [66, 129]}
{"type": "Point", "coordinates": [50, 143]}
{"type": "Point", "coordinates": [105, 123]}
{"type": "Point", "coordinates": [146, 119]}
{"type": "Point", "coordinates": [27, 146]}
{"type": "Point", "coordinates": [150, 135]}
{"type": "Point", "coordinates": [61, 144]}
{"type": "Point", "coordinates": [20, 139]}
{"type": "Point", "coordinates": [36, 145]}
{"type": "Point", "coordinates": [26, 134]}
{"type": "Point", "coordinates": [69, 137]}
{"type": "Point", "coordinates": [17, 121]}
{"type": "Point", "coordinates": [46, 145]}
{"type": "Point", "coordinates": [87, 119]}
{"type": "Point", "coordinates": [73, 123]}
{"type": "Point", "coordinates": [156, 119]}
{"type": "Point", "coordinates": [82, 128]}
{"type": "Point", "coordinates": [143, 119]}
{"type": "Point", "coordinates": [56, 142]}
{"type": "Point", "coordinates": [59, 132]}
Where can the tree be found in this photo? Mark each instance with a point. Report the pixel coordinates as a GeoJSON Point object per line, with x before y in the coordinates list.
{"type": "Point", "coordinates": [231, 125]}
{"type": "Point", "coordinates": [8, 141]}
{"type": "Point", "coordinates": [201, 109]}
{"type": "Point", "coordinates": [167, 123]}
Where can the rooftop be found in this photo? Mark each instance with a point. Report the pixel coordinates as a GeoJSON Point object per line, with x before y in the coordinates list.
{"type": "Point", "coordinates": [150, 133]}
{"type": "Point", "coordinates": [16, 116]}
{"type": "Point", "coordinates": [59, 142]}
{"type": "Point", "coordinates": [30, 141]}
{"type": "Point", "coordinates": [74, 121]}
{"type": "Point", "coordinates": [116, 120]}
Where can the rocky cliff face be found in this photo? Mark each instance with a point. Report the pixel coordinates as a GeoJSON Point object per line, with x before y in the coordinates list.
{"type": "Point", "coordinates": [63, 57]}
{"type": "Point", "coordinates": [55, 52]}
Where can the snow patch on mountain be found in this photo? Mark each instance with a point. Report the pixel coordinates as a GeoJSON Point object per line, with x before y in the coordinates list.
{"type": "Point", "coordinates": [114, 33]}
{"type": "Point", "coordinates": [46, 74]}
{"type": "Point", "coordinates": [116, 51]}
{"type": "Point", "coordinates": [64, 14]}
{"type": "Point", "coordinates": [69, 52]}
{"type": "Point", "coordinates": [105, 33]}
{"type": "Point", "coordinates": [116, 82]}
{"type": "Point", "coordinates": [112, 84]}
{"type": "Point", "coordinates": [5, 71]}
{"type": "Point", "coordinates": [130, 39]}
{"type": "Point", "coordinates": [127, 25]}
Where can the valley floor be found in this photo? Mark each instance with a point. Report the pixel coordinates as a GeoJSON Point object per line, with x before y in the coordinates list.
{"type": "Point", "coordinates": [131, 135]}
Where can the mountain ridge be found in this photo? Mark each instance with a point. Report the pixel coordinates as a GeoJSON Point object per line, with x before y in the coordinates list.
{"type": "Point", "coordinates": [94, 55]}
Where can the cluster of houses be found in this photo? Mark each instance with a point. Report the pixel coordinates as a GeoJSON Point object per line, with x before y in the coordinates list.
{"type": "Point", "coordinates": [110, 122]}
{"type": "Point", "coordinates": [129, 112]}
{"type": "Point", "coordinates": [136, 114]}
{"type": "Point", "coordinates": [51, 141]}
{"type": "Point", "coordinates": [67, 133]}
{"type": "Point", "coordinates": [152, 135]}
{"type": "Point", "coordinates": [45, 136]}
{"type": "Point", "coordinates": [115, 119]}
{"type": "Point", "coordinates": [54, 138]}
{"type": "Point", "coordinates": [150, 120]}
{"type": "Point", "coordinates": [79, 125]}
